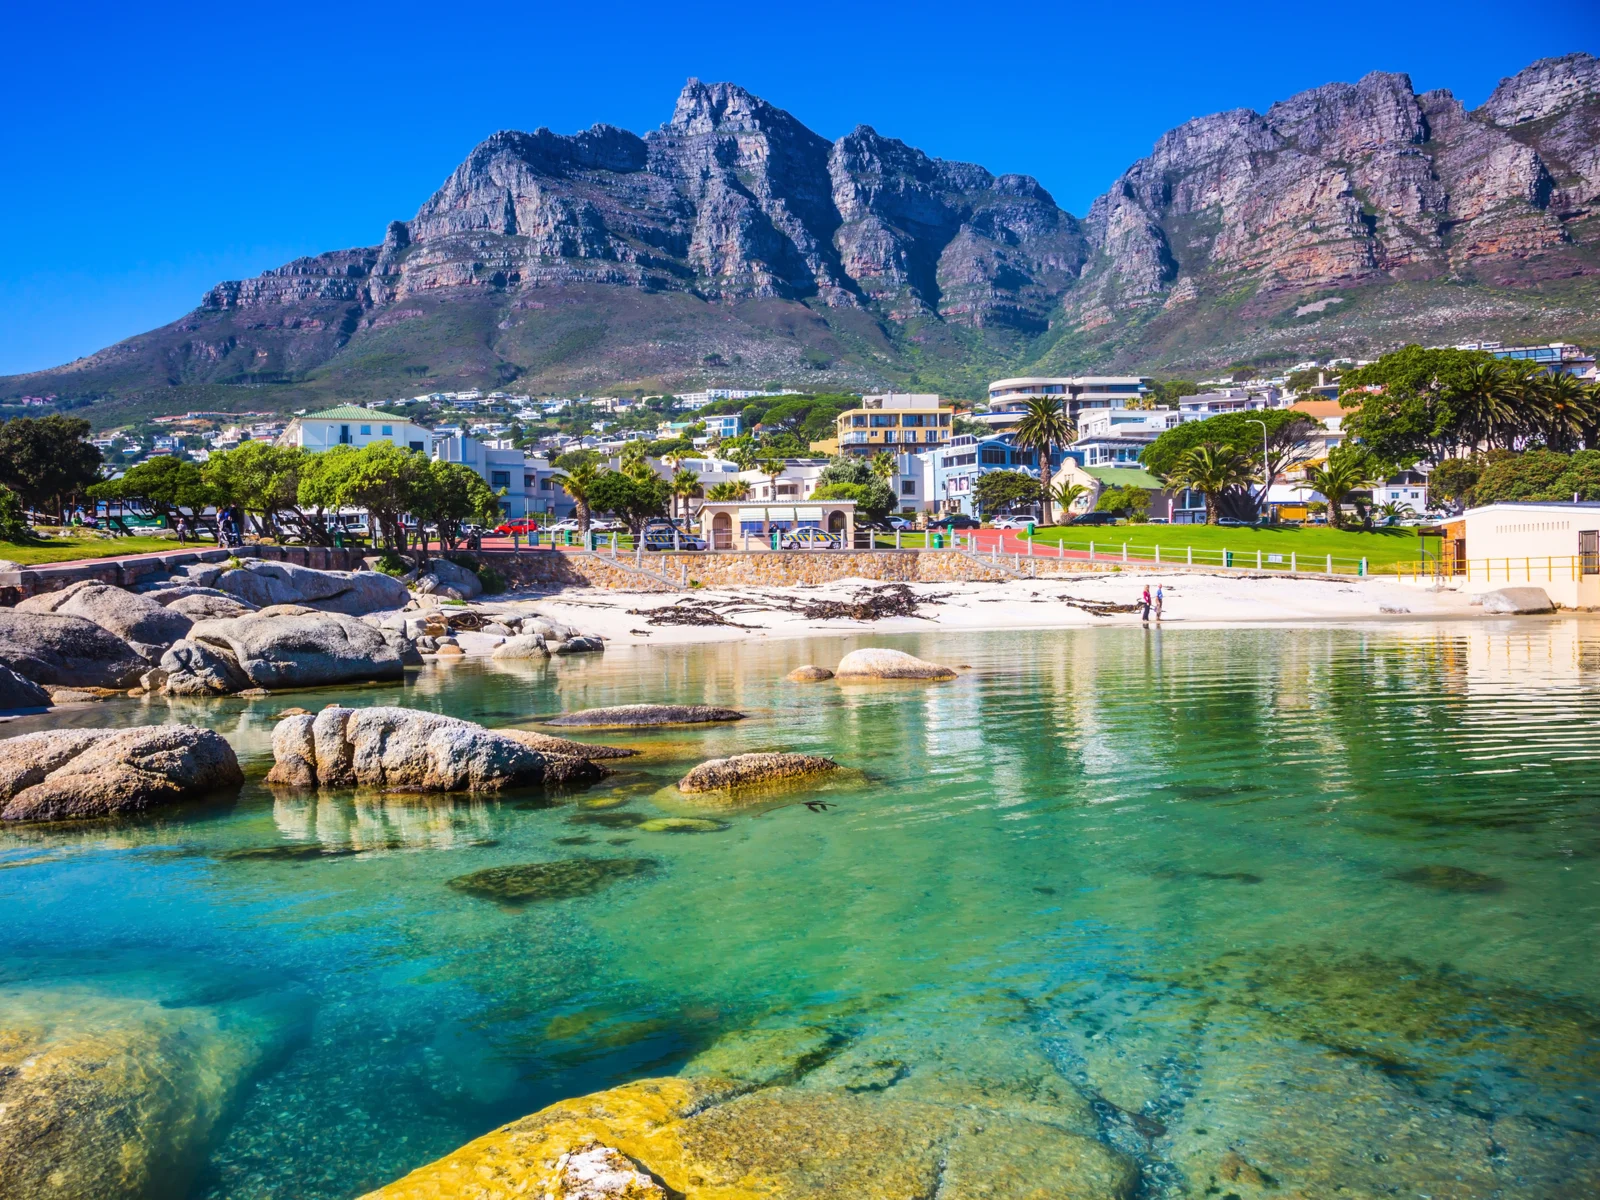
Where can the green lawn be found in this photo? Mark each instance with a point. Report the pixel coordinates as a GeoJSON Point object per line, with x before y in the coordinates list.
{"type": "Point", "coordinates": [66, 549]}
{"type": "Point", "coordinates": [1381, 548]}
{"type": "Point", "coordinates": [1309, 545]}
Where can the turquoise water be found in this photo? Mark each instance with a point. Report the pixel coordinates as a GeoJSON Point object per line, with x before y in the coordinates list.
{"type": "Point", "coordinates": [1327, 896]}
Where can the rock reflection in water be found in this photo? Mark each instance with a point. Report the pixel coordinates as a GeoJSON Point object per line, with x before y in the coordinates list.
{"type": "Point", "coordinates": [368, 823]}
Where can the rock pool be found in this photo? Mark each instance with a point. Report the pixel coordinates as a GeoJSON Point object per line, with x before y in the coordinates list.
{"type": "Point", "coordinates": [1251, 912]}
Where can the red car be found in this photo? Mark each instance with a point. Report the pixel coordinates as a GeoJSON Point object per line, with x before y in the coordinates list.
{"type": "Point", "coordinates": [522, 528]}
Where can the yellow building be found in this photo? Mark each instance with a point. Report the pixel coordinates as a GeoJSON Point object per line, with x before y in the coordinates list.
{"type": "Point", "coordinates": [900, 422]}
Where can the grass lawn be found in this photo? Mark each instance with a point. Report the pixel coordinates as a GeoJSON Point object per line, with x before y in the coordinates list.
{"type": "Point", "coordinates": [1310, 545]}
{"type": "Point", "coordinates": [1381, 547]}
{"type": "Point", "coordinates": [67, 549]}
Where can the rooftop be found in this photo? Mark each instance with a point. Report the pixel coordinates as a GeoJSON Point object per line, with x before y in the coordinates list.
{"type": "Point", "coordinates": [350, 412]}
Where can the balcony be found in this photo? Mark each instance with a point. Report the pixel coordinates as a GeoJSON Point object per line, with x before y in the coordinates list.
{"type": "Point", "coordinates": [854, 439]}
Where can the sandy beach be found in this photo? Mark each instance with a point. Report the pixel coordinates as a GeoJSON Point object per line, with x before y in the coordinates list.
{"type": "Point", "coordinates": [1191, 598]}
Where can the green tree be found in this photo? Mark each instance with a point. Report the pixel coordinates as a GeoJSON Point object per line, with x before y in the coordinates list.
{"type": "Point", "coordinates": [1288, 444]}
{"type": "Point", "coordinates": [1453, 480]}
{"type": "Point", "coordinates": [448, 497]}
{"type": "Point", "coordinates": [1044, 426]}
{"type": "Point", "coordinates": [578, 482]}
{"type": "Point", "coordinates": [1565, 412]}
{"type": "Point", "coordinates": [875, 500]}
{"type": "Point", "coordinates": [260, 479]}
{"type": "Point", "coordinates": [317, 494]}
{"type": "Point", "coordinates": [1214, 470]}
{"type": "Point", "coordinates": [1348, 469]}
{"type": "Point", "coordinates": [386, 481]}
{"type": "Point", "coordinates": [630, 499]}
{"type": "Point", "coordinates": [996, 491]}
{"type": "Point", "coordinates": [48, 461]}
{"type": "Point", "coordinates": [169, 487]}
{"type": "Point", "coordinates": [773, 469]}
{"type": "Point", "coordinates": [13, 520]}
{"type": "Point", "coordinates": [733, 489]}
{"type": "Point", "coordinates": [1066, 495]}
{"type": "Point", "coordinates": [1132, 502]}
{"type": "Point", "coordinates": [1414, 404]}
{"type": "Point", "coordinates": [884, 465]}
{"type": "Point", "coordinates": [685, 485]}
{"type": "Point", "coordinates": [1538, 475]}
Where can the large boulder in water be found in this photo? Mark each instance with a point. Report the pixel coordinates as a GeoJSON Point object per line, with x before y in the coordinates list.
{"type": "Point", "coordinates": [19, 694]}
{"type": "Point", "coordinates": [135, 619]}
{"type": "Point", "coordinates": [110, 1095]}
{"type": "Point", "coordinates": [546, 744]}
{"type": "Point", "coordinates": [752, 770]}
{"type": "Point", "coordinates": [351, 592]}
{"type": "Point", "coordinates": [283, 646]}
{"type": "Point", "coordinates": [62, 651]}
{"type": "Point", "coordinates": [627, 715]}
{"type": "Point", "coordinates": [878, 663]}
{"type": "Point", "coordinates": [66, 774]}
{"type": "Point", "coordinates": [1517, 600]}
{"type": "Point", "coordinates": [405, 750]}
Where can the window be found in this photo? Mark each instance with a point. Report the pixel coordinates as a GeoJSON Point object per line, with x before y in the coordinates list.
{"type": "Point", "coordinates": [858, 422]}
{"type": "Point", "coordinates": [944, 418]}
{"type": "Point", "coordinates": [387, 430]}
{"type": "Point", "coordinates": [912, 419]}
{"type": "Point", "coordinates": [500, 479]}
{"type": "Point", "coordinates": [888, 435]}
{"type": "Point", "coordinates": [994, 457]}
{"type": "Point", "coordinates": [930, 435]}
{"type": "Point", "coordinates": [908, 487]}
{"type": "Point", "coordinates": [882, 420]}
{"type": "Point", "coordinates": [417, 446]}
{"type": "Point", "coordinates": [544, 485]}
{"type": "Point", "coordinates": [366, 431]}
{"type": "Point", "coordinates": [529, 480]}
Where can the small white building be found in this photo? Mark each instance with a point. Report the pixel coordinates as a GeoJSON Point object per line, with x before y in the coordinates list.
{"type": "Point", "coordinates": [1552, 544]}
{"type": "Point", "coordinates": [352, 425]}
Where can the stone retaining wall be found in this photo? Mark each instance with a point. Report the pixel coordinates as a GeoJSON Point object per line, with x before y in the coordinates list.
{"type": "Point", "coordinates": [20, 583]}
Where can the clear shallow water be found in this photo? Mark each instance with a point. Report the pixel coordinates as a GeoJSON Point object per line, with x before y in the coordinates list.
{"type": "Point", "coordinates": [1325, 896]}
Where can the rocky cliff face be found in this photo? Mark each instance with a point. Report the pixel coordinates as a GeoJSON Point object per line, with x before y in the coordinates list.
{"type": "Point", "coordinates": [734, 238]}
{"type": "Point", "coordinates": [1352, 184]}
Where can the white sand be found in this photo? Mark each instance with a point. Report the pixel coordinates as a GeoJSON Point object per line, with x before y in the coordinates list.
{"type": "Point", "coordinates": [1191, 599]}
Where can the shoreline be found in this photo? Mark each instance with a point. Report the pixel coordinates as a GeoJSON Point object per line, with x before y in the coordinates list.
{"type": "Point", "coordinates": [1193, 600]}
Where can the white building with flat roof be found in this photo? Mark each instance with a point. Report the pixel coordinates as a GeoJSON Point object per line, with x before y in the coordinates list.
{"type": "Point", "coordinates": [1008, 398]}
{"type": "Point", "coordinates": [352, 425]}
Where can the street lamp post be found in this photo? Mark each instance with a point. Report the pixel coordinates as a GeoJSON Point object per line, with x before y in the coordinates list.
{"type": "Point", "coordinates": [1266, 473]}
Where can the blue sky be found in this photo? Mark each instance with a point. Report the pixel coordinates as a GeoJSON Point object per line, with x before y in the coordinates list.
{"type": "Point", "coordinates": [149, 151]}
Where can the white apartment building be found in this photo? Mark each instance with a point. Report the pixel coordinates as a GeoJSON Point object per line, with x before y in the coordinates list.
{"type": "Point", "coordinates": [352, 425]}
{"type": "Point", "coordinates": [1078, 393]}
{"type": "Point", "coordinates": [1230, 400]}
{"type": "Point", "coordinates": [1117, 436]}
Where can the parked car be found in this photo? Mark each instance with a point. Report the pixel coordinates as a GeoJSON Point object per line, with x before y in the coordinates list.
{"type": "Point", "coordinates": [570, 525]}
{"type": "Point", "coordinates": [1234, 521]}
{"type": "Point", "coordinates": [809, 538]}
{"type": "Point", "coordinates": [521, 528]}
{"type": "Point", "coordinates": [955, 521]}
{"type": "Point", "coordinates": [664, 535]}
{"type": "Point", "coordinates": [1095, 518]}
{"type": "Point", "coordinates": [1013, 522]}
{"type": "Point", "coordinates": [608, 525]}
{"type": "Point", "coordinates": [899, 523]}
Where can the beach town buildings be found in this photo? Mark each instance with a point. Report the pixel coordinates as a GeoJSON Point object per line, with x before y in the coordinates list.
{"type": "Point", "coordinates": [352, 425]}
{"type": "Point", "coordinates": [894, 421]}
{"type": "Point", "coordinates": [1008, 398]}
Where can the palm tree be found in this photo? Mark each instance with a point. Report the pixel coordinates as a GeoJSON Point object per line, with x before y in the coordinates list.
{"type": "Point", "coordinates": [684, 484]}
{"type": "Point", "coordinates": [1212, 469]}
{"type": "Point", "coordinates": [728, 489]}
{"type": "Point", "coordinates": [1347, 469]}
{"type": "Point", "coordinates": [772, 468]}
{"type": "Point", "coordinates": [1044, 426]}
{"type": "Point", "coordinates": [1564, 408]}
{"type": "Point", "coordinates": [1394, 511]}
{"type": "Point", "coordinates": [577, 482]}
{"type": "Point", "coordinates": [1488, 406]}
{"type": "Point", "coordinates": [1066, 495]}
{"type": "Point", "coordinates": [884, 466]}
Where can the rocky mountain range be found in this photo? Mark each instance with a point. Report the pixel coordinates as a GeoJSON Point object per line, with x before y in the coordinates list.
{"type": "Point", "coordinates": [733, 244]}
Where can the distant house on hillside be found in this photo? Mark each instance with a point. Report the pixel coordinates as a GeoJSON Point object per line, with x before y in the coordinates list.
{"type": "Point", "coordinates": [352, 425]}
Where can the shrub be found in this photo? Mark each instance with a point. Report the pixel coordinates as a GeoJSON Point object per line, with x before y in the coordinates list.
{"type": "Point", "coordinates": [493, 582]}
{"type": "Point", "coordinates": [391, 563]}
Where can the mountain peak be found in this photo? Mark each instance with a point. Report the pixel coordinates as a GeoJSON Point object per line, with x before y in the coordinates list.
{"type": "Point", "coordinates": [721, 108]}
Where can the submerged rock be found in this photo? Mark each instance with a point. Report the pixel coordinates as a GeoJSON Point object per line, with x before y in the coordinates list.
{"type": "Point", "coordinates": [546, 744]}
{"type": "Point", "coordinates": [1450, 879]}
{"type": "Point", "coordinates": [406, 750]}
{"type": "Point", "coordinates": [878, 663]}
{"type": "Point", "coordinates": [106, 1096]}
{"type": "Point", "coordinates": [624, 715]}
{"type": "Point", "coordinates": [68, 774]}
{"type": "Point", "coordinates": [747, 770]}
{"type": "Point", "coordinates": [681, 825]}
{"type": "Point", "coordinates": [713, 1137]}
{"type": "Point", "coordinates": [522, 645]}
{"type": "Point", "coordinates": [809, 674]}
{"type": "Point", "coordinates": [563, 879]}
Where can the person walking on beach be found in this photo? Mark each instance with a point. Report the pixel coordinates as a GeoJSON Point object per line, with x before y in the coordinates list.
{"type": "Point", "coordinates": [1160, 600]}
{"type": "Point", "coordinates": [1144, 605]}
